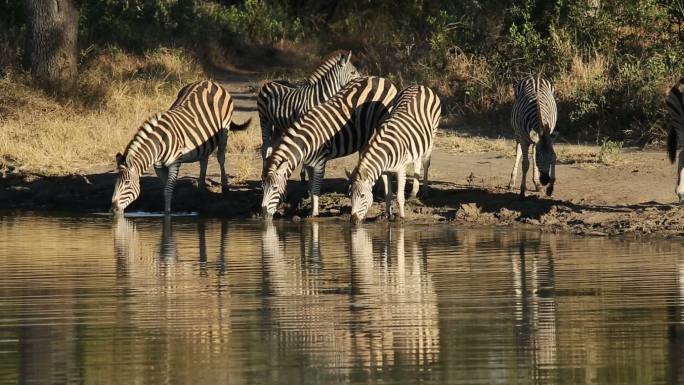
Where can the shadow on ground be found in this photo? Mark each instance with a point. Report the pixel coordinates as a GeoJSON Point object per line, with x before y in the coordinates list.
{"type": "Point", "coordinates": [446, 202]}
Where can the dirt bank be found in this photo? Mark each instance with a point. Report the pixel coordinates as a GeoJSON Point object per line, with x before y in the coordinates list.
{"type": "Point", "coordinates": [634, 195]}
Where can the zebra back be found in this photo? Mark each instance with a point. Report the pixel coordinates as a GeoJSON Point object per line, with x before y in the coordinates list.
{"type": "Point", "coordinates": [280, 104]}
{"type": "Point", "coordinates": [192, 124]}
{"type": "Point", "coordinates": [404, 136]}
{"type": "Point", "coordinates": [338, 127]}
{"type": "Point", "coordinates": [534, 110]}
{"type": "Point", "coordinates": [675, 107]}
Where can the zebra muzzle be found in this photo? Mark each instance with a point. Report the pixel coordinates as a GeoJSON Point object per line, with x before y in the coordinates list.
{"type": "Point", "coordinates": [544, 178]}
{"type": "Point", "coordinates": [355, 219]}
{"type": "Point", "coordinates": [265, 213]}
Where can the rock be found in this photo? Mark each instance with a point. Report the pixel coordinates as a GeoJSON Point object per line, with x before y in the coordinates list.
{"type": "Point", "coordinates": [468, 211]}
{"type": "Point", "coordinates": [296, 218]}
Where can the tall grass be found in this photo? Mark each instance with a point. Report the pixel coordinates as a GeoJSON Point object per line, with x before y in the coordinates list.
{"type": "Point", "coordinates": [115, 94]}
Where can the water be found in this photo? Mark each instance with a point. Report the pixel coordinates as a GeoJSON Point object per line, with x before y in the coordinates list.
{"type": "Point", "coordinates": [184, 300]}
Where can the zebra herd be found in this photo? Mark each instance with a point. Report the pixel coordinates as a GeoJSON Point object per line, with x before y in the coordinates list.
{"type": "Point", "coordinates": [334, 113]}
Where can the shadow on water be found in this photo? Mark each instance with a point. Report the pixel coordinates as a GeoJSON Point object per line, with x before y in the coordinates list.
{"type": "Point", "coordinates": [197, 300]}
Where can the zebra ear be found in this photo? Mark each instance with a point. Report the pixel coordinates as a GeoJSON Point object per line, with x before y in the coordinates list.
{"type": "Point", "coordinates": [345, 58]}
{"type": "Point", "coordinates": [282, 168]}
{"type": "Point", "coordinates": [119, 159]}
{"type": "Point", "coordinates": [534, 136]}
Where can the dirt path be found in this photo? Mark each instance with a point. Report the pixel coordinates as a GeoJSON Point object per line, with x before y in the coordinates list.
{"type": "Point", "coordinates": [634, 196]}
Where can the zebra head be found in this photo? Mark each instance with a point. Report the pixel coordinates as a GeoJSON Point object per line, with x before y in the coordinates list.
{"type": "Point", "coordinates": [545, 157]}
{"type": "Point", "coordinates": [346, 70]}
{"type": "Point", "coordinates": [274, 182]}
{"type": "Point", "coordinates": [127, 187]}
{"type": "Point", "coordinates": [361, 192]}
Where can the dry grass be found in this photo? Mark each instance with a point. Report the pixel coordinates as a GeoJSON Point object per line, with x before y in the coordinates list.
{"type": "Point", "coordinates": [455, 143]}
{"type": "Point", "coordinates": [583, 76]}
{"type": "Point", "coordinates": [116, 93]}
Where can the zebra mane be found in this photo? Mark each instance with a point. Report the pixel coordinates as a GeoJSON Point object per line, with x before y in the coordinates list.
{"type": "Point", "coordinates": [328, 63]}
{"type": "Point", "coordinates": [544, 125]}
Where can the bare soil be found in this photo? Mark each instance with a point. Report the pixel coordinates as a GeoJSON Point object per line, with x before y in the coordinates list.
{"type": "Point", "coordinates": [634, 196]}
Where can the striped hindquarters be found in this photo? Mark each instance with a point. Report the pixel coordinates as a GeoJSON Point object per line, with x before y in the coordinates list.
{"type": "Point", "coordinates": [405, 136]}
{"type": "Point", "coordinates": [534, 110]}
{"type": "Point", "coordinates": [675, 125]}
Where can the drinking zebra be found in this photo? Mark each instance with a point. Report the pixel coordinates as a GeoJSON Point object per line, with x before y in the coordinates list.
{"type": "Point", "coordinates": [405, 137]}
{"type": "Point", "coordinates": [281, 103]}
{"type": "Point", "coordinates": [336, 128]}
{"type": "Point", "coordinates": [196, 124]}
{"type": "Point", "coordinates": [534, 119]}
{"type": "Point", "coordinates": [675, 136]}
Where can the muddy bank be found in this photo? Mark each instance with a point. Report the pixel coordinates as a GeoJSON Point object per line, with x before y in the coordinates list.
{"type": "Point", "coordinates": [448, 202]}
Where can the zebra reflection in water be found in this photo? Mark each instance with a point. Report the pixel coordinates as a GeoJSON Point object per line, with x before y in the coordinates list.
{"type": "Point", "coordinates": [535, 302]}
{"type": "Point", "coordinates": [389, 314]}
{"type": "Point", "coordinates": [396, 304]}
{"type": "Point", "coordinates": [166, 295]}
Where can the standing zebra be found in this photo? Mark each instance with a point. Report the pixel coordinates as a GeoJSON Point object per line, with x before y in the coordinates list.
{"type": "Point", "coordinates": [281, 103]}
{"type": "Point", "coordinates": [196, 124]}
{"type": "Point", "coordinates": [534, 120]}
{"type": "Point", "coordinates": [405, 137]}
{"type": "Point", "coordinates": [675, 136]}
{"type": "Point", "coordinates": [339, 127]}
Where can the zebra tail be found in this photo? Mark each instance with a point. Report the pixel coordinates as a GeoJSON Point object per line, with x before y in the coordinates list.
{"type": "Point", "coordinates": [240, 126]}
{"type": "Point", "coordinates": [672, 144]}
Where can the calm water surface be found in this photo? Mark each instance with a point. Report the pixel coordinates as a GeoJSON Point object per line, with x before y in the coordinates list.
{"type": "Point", "coordinates": [194, 301]}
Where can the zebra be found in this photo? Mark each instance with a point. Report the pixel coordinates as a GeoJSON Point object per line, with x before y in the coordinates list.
{"type": "Point", "coordinates": [534, 119]}
{"type": "Point", "coordinates": [281, 103]}
{"type": "Point", "coordinates": [405, 137]}
{"type": "Point", "coordinates": [675, 136]}
{"type": "Point", "coordinates": [336, 128]}
{"type": "Point", "coordinates": [195, 125]}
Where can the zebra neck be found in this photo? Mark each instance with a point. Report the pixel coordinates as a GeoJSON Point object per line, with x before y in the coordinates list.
{"type": "Point", "coordinates": [369, 173]}
{"type": "Point", "coordinates": [326, 87]}
{"type": "Point", "coordinates": [142, 160]}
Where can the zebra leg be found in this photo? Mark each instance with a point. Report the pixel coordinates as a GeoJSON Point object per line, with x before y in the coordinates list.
{"type": "Point", "coordinates": [535, 169]}
{"type": "Point", "coordinates": [514, 173]}
{"type": "Point", "coordinates": [317, 173]}
{"type": "Point", "coordinates": [163, 174]}
{"type": "Point", "coordinates": [416, 175]}
{"type": "Point", "coordinates": [221, 158]}
{"type": "Point", "coordinates": [388, 194]}
{"type": "Point", "coordinates": [202, 181]}
{"type": "Point", "coordinates": [426, 166]}
{"type": "Point", "coordinates": [170, 184]}
{"type": "Point", "coordinates": [401, 184]}
{"type": "Point", "coordinates": [525, 169]}
{"type": "Point", "coordinates": [679, 189]}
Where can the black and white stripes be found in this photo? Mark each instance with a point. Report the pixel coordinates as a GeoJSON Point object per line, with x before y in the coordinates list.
{"type": "Point", "coordinates": [280, 103]}
{"type": "Point", "coordinates": [338, 127]}
{"type": "Point", "coordinates": [405, 137]}
{"type": "Point", "coordinates": [195, 126]}
{"type": "Point", "coordinates": [534, 119]}
{"type": "Point", "coordinates": [675, 128]}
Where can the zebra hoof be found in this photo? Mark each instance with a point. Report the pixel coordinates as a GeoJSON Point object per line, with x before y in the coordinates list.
{"type": "Point", "coordinates": [549, 190]}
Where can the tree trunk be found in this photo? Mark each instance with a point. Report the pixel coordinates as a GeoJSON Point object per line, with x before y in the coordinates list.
{"type": "Point", "coordinates": [51, 45]}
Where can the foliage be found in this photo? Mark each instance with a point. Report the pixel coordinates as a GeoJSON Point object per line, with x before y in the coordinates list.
{"type": "Point", "coordinates": [612, 61]}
